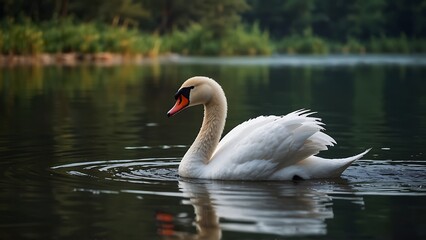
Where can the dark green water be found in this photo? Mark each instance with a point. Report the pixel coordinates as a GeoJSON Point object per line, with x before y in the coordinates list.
{"type": "Point", "coordinates": [86, 152]}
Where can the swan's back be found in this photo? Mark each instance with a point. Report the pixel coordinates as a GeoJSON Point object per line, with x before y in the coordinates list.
{"type": "Point", "coordinates": [261, 147]}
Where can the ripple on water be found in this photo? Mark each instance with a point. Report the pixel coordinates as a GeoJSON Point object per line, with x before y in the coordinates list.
{"type": "Point", "coordinates": [145, 170]}
{"type": "Point", "coordinates": [387, 177]}
{"type": "Point", "coordinates": [365, 177]}
{"type": "Point", "coordinates": [288, 208]}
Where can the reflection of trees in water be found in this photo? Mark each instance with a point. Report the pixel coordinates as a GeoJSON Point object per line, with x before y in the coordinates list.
{"type": "Point", "coordinates": [370, 101]}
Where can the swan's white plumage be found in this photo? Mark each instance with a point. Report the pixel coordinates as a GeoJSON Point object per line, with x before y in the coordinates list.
{"type": "Point", "coordinates": [263, 148]}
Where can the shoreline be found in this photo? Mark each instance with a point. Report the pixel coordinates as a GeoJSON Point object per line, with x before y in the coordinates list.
{"type": "Point", "coordinates": [114, 59]}
{"type": "Point", "coordinates": [72, 59]}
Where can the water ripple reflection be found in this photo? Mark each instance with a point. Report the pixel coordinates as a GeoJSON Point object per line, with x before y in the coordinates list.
{"type": "Point", "coordinates": [391, 177]}
{"type": "Point", "coordinates": [367, 177]}
{"type": "Point", "coordinates": [288, 208]}
{"type": "Point", "coordinates": [145, 170]}
{"type": "Point", "coordinates": [282, 208]}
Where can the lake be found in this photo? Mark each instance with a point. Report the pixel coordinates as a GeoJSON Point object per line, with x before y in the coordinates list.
{"type": "Point", "coordinates": [87, 152]}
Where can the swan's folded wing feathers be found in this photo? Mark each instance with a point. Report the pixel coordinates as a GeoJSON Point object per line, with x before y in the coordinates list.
{"type": "Point", "coordinates": [324, 139]}
{"type": "Point", "coordinates": [271, 142]}
{"type": "Point", "coordinates": [284, 140]}
{"type": "Point", "coordinates": [288, 154]}
{"type": "Point", "coordinates": [240, 131]}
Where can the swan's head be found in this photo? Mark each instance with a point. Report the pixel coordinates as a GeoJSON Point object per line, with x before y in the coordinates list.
{"type": "Point", "coordinates": [194, 91]}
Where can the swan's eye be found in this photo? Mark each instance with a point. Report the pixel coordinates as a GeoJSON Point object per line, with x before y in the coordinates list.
{"type": "Point", "coordinates": [183, 91]}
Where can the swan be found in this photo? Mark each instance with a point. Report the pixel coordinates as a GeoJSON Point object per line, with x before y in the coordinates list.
{"type": "Point", "coordinates": [263, 148]}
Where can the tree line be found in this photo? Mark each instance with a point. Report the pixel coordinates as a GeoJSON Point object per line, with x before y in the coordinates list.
{"type": "Point", "coordinates": [331, 19]}
{"type": "Point", "coordinates": [356, 24]}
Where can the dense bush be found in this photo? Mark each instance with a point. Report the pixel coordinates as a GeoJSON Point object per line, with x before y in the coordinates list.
{"type": "Point", "coordinates": [251, 41]}
{"type": "Point", "coordinates": [197, 40]}
{"type": "Point", "coordinates": [396, 45]}
{"type": "Point", "coordinates": [316, 45]}
{"type": "Point", "coordinates": [302, 44]}
{"type": "Point", "coordinates": [66, 36]}
{"type": "Point", "coordinates": [21, 39]}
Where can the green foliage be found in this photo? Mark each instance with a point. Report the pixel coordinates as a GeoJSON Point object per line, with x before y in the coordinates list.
{"type": "Point", "coordinates": [197, 40]}
{"type": "Point", "coordinates": [2, 39]}
{"type": "Point", "coordinates": [418, 45]}
{"type": "Point", "coordinates": [303, 44]}
{"type": "Point", "coordinates": [193, 41]}
{"type": "Point", "coordinates": [397, 45]}
{"type": "Point", "coordinates": [339, 20]}
{"type": "Point", "coordinates": [212, 27]}
{"type": "Point", "coordinates": [251, 41]}
{"type": "Point", "coordinates": [352, 46]}
{"type": "Point", "coordinates": [365, 18]}
{"type": "Point", "coordinates": [21, 39]}
{"type": "Point", "coordinates": [125, 41]}
{"type": "Point", "coordinates": [390, 45]}
{"type": "Point", "coordinates": [316, 45]}
{"type": "Point", "coordinates": [222, 16]}
{"type": "Point", "coordinates": [65, 36]}
{"type": "Point", "coordinates": [333, 20]}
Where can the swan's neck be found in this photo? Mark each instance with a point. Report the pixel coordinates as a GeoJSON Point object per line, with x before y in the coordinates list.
{"type": "Point", "coordinates": [201, 151]}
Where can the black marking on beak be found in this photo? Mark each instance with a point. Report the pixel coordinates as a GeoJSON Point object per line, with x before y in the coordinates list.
{"type": "Point", "coordinates": [182, 101]}
{"type": "Point", "coordinates": [184, 91]}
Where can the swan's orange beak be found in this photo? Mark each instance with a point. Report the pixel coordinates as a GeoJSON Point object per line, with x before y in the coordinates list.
{"type": "Point", "coordinates": [181, 103]}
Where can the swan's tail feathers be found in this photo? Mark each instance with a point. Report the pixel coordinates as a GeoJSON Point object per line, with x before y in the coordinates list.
{"type": "Point", "coordinates": [349, 160]}
{"type": "Point", "coordinates": [317, 167]}
{"type": "Point", "coordinates": [344, 163]}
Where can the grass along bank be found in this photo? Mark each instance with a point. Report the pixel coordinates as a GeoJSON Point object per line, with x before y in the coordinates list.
{"type": "Point", "coordinates": [66, 40]}
{"type": "Point", "coordinates": [66, 36]}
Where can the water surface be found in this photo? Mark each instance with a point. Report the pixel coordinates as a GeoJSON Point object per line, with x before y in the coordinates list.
{"type": "Point", "coordinates": [87, 151]}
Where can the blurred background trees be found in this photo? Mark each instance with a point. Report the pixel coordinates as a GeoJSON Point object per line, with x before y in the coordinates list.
{"type": "Point", "coordinates": [323, 26]}
{"type": "Point", "coordinates": [326, 18]}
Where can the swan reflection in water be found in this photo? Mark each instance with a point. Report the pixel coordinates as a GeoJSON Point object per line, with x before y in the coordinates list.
{"type": "Point", "coordinates": [281, 208]}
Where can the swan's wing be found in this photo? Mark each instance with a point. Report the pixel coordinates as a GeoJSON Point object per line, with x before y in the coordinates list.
{"type": "Point", "coordinates": [240, 131]}
{"type": "Point", "coordinates": [282, 141]}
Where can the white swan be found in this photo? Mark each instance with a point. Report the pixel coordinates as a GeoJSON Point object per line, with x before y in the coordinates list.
{"type": "Point", "coordinates": [264, 148]}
